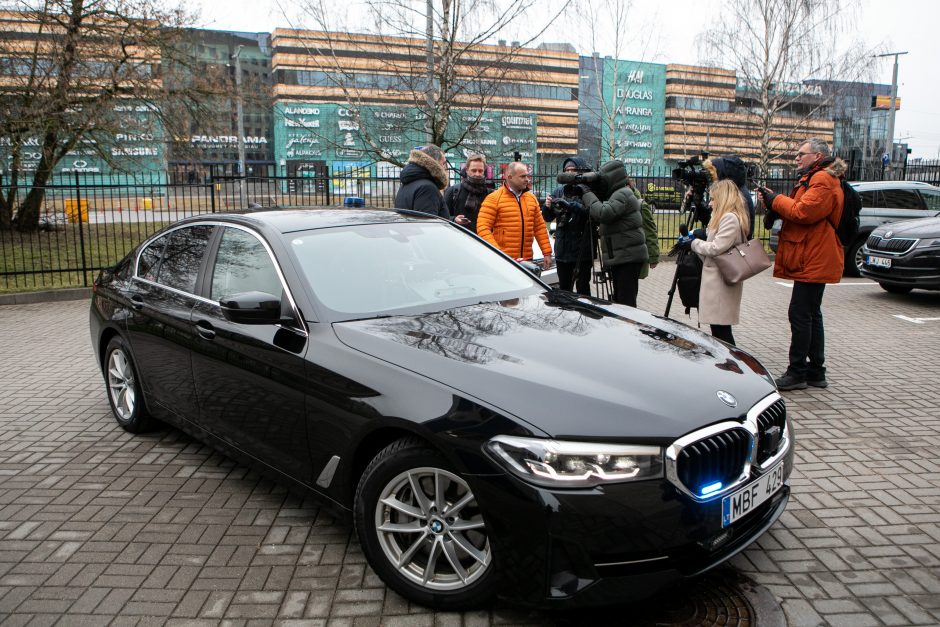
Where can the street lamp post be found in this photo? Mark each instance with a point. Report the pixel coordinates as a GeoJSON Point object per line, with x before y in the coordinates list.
{"type": "Point", "coordinates": [889, 138]}
{"type": "Point", "coordinates": [240, 114]}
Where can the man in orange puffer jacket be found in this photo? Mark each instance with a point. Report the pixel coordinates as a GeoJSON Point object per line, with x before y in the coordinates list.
{"type": "Point", "coordinates": [510, 217]}
{"type": "Point", "coordinates": [810, 254]}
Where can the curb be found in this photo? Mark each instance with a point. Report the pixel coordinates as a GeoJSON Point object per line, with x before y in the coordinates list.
{"type": "Point", "coordinates": [46, 296]}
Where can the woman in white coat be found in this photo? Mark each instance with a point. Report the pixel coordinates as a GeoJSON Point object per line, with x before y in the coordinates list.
{"type": "Point", "coordinates": [719, 304]}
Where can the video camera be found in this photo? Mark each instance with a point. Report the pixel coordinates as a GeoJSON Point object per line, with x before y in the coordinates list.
{"type": "Point", "coordinates": [571, 179]}
{"type": "Point", "coordinates": [692, 173]}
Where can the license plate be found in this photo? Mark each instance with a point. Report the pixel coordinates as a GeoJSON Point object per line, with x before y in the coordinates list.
{"type": "Point", "coordinates": [748, 498]}
{"type": "Point", "coordinates": [878, 262]}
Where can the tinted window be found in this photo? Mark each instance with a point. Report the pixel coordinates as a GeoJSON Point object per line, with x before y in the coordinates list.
{"type": "Point", "coordinates": [870, 199]}
{"type": "Point", "coordinates": [150, 259]}
{"type": "Point", "coordinates": [901, 199]}
{"type": "Point", "coordinates": [243, 265]}
{"type": "Point", "coordinates": [182, 257]}
{"type": "Point", "coordinates": [931, 198]}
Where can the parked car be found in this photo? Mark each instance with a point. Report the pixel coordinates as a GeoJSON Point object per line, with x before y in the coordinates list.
{"type": "Point", "coordinates": [662, 196]}
{"type": "Point", "coordinates": [903, 256]}
{"type": "Point", "coordinates": [882, 202]}
{"type": "Point", "coordinates": [486, 434]}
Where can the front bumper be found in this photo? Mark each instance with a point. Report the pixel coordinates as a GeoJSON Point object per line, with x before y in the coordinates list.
{"type": "Point", "coordinates": [919, 268]}
{"type": "Point", "coordinates": [610, 544]}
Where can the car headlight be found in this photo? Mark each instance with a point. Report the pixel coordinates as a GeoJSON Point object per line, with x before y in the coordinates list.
{"type": "Point", "coordinates": [562, 464]}
{"type": "Point", "coordinates": [928, 242]}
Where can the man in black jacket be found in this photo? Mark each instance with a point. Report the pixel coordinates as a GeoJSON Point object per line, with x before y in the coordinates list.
{"type": "Point", "coordinates": [574, 241]}
{"type": "Point", "coordinates": [463, 199]}
{"type": "Point", "coordinates": [423, 178]}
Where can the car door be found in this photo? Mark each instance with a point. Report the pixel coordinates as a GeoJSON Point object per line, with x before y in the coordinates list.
{"type": "Point", "coordinates": [250, 377]}
{"type": "Point", "coordinates": [898, 204]}
{"type": "Point", "coordinates": [931, 200]}
{"type": "Point", "coordinates": [161, 296]}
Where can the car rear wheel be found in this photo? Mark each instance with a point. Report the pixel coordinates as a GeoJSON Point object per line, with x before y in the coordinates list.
{"type": "Point", "coordinates": [422, 530]}
{"type": "Point", "coordinates": [124, 393]}
{"type": "Point", "coordinates": [895, 289]}
{"type": "Point", "coordinates": [854, 257]}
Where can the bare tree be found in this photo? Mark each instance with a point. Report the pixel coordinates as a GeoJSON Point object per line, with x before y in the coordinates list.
{"type": "Point", "coordinates": [79, 74]}
{"type": "Point", "coordinates": [429, 58]}
{"type": "Point", "coordinates": [784, 51]}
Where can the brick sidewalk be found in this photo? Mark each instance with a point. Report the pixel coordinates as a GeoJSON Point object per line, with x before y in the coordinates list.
{"type": "Point", "coordinates": [98, 526]}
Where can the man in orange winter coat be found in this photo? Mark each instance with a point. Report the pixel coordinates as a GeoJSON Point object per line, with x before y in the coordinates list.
{"type": "Point", "coordinates": [511, 216]}
{"type": "Point", "coordinates": [810, 254]}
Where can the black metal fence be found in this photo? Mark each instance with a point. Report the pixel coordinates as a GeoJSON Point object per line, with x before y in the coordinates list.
{"type": "Point", "coordinates": [88, 223]}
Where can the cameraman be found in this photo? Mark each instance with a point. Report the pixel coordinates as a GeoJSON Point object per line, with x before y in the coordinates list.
{"type": "Point", "coordinates": [573, 245]}
{"type": "Point", "coordinates": [731, 167]}
{"type": "Point", "coordinates": [613, 206]}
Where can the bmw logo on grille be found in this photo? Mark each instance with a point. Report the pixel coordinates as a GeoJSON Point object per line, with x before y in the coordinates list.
{"type": "Point", "coordinates": [727, 399]}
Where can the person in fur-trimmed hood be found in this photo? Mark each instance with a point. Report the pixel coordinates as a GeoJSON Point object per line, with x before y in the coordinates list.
{"type": "Point", "coordinates": [810, 254]}
{"type": "Point", "coordinates": [422, 180]}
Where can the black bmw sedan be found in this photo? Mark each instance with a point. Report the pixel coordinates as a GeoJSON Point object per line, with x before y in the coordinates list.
{"type": "Point", "coordinates": [484, 433]}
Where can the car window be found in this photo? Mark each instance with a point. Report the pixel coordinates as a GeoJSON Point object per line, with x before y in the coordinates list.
{"type": "Point", "coordinates": [366, 269]}
{"type": "Point", "coordinates": [931, 199]}
{"type": "Point", "coordinates": [871, 199]}
{"type": "Point", "coordinates": [149, 261]}
{"type": "Point", "coordinates": [901, 199]}
{"type": "Point", "coordinates": [243, 264]}
{"type": "Point", "coordinates": [183, 256]}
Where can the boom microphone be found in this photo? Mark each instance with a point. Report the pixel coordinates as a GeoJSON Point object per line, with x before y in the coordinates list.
{"type": "Point", "coordinates": [575, 178]}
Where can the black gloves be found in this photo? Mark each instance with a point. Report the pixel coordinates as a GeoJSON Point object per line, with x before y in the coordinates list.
{"type": "Point", "coordinates": [767, 195]}
{"type": "Point", "coordinates": [578, 190]}
{"type": "Point", "coordinates": [769, 218]}
{"type": "Point", "coordinates": [699, 234]}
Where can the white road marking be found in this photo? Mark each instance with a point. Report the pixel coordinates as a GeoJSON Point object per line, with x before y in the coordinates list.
{"type": "Point", "coordinates": [916, 320]}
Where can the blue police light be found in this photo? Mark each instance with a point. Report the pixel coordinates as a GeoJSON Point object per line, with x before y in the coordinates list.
{"type": "Point", "coordinates": [710, 488]}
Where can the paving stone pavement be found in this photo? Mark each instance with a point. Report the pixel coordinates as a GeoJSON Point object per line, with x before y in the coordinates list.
{"type": "Point", "coordinates": [98, 526]}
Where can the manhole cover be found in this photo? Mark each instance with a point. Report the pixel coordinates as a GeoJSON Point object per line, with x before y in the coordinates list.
{"type": "Point", "coordinates": [721, 597]}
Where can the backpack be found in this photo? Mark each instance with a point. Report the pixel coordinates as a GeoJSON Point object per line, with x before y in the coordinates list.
{"type": "Point", "coordinates": [689, 279]}
{"type": "Point", "coordinates": [847, 229]}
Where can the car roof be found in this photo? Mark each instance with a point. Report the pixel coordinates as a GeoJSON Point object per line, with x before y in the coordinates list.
{"type": "Point", "coordinates": [873, 185]}
{"type": "Point", "coordinates": [303, 219]}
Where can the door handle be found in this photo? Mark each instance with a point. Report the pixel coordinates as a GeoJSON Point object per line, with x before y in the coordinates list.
{"type": "Point", "coordinates": [137, 301]}
{"type": "Point", "coordinates": [205, 330]}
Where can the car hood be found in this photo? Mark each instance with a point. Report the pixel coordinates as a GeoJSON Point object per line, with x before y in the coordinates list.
{"type": "Point", "coordinates": [570, 368]}
{"type": "Point", "coordinates": [919, 228]}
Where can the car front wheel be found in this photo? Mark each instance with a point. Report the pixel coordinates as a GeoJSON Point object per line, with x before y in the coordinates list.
{"type": "Point", "coordinates": [124, 393]}
{"type": "Point", "coordinates": [422, 530]}
{"type": "Point", "coordinates": [854, 257]}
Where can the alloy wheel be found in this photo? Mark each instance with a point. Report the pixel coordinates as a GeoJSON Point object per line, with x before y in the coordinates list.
{"type": "Point", "coordinates": [122, 385]}
{"type": "Point", "coordinates": [431, 530]}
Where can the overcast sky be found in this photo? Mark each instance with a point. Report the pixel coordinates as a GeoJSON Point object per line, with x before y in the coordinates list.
{"type": "Point", "coordinates": [664, 32]}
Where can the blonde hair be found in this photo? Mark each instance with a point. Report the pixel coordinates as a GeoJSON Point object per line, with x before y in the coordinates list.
{"type": "Point", "coordinates": [726, 198]}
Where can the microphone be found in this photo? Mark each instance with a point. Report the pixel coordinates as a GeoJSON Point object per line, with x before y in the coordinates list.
{"type": "Point", "coordinates": [683, 229]}
{"type": "Point", "coordinates": [569, 178]}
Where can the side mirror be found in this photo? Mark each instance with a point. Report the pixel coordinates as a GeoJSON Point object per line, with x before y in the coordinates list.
{"type": "Point", "coordinates": [252, 308]}
{"type": "Point", "coordinates": [532, 267]}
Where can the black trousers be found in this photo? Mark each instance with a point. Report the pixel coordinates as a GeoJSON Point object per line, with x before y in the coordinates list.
{"type": "Point", "coordinates": [723, 332]}
{"type": "Point", "coordinates": [626, 280]}
{"type": "Point", "coordinates": [807, 337]}
{"type": "Point", "coordinates": [567, 280]}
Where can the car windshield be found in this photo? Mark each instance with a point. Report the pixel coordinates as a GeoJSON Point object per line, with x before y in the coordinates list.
{"type": "Point", "coordinates": [403, 267]}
